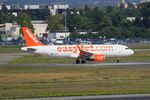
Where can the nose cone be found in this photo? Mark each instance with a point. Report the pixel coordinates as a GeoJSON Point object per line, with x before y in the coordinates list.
{"type": "Point", "coordinates": [131, 52]}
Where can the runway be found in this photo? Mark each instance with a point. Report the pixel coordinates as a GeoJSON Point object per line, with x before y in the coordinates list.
{"type": "Point", "coordinates": [105, 97]}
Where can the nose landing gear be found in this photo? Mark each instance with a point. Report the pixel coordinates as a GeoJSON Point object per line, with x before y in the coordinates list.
{"type": "Point", "coordinates": [118, 60]}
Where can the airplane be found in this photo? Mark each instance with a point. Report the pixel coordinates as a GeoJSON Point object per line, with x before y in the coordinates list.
{"type": "Point", "coordinates": [82, 53]}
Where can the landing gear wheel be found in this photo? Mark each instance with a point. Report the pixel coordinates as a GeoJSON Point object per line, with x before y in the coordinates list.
{"type": "Point", "coordinates": [77, 61]}
{"type": "Point", "coordinates": [118, 60]}
{"type": "Point", "coordinates": [83, 61]}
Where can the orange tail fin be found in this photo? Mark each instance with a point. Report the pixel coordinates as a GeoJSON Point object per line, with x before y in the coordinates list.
{"type": "Point", "coordinates": [30, 38]}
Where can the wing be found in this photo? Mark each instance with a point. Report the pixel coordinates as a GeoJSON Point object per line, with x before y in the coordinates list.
{"type": "Point", "coordinates": [83, 54]}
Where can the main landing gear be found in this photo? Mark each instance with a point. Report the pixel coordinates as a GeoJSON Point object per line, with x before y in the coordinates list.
{"type": "Point", "coordinates": [80, 61]}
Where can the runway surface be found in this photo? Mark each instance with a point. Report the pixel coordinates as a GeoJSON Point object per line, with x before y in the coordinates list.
{"type": "Point", "coordinates": [105, 97]}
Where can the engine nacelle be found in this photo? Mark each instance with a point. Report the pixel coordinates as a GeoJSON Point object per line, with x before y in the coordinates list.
{"type": "Point", "coordinates": [99, 57]}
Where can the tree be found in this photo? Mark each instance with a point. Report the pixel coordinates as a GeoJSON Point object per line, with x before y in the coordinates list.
{"type": "Point", "coordinates": [0, 37]}
{"type": "Point", "coordinates": [106, 21]}
{"type": "Point", "coordinates": [117, 17]}
{"type": "Point", "coordinates": [145, 13]}
{"type": "Point", "coordinates": [88, 11]}
{"type": "Point", "coordinates": [6, 15]}
{"type": "Point", "coordinates": [110, 32]}
{"type": "Point", "coordinates": [85, 24]}
{"type": "Point", "coordinates": [24, 19]}
{"type": "Point", "coordinates": [109, 10]}
{"type": "Point", "coordinates": [55, 22]}
{"type": "Point", "coordinates": [97, 18]}
{"type": "Point", "coordinates": [74, 35]}
{"type": "Point", "coordinates": [39, 14]}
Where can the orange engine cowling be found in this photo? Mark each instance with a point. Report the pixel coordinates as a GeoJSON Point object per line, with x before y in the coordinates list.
{"type": "Point", "coordinates": [99, 57]}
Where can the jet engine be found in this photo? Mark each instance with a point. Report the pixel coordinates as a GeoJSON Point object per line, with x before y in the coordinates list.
{"type": "Point", "coordinates": [99, 57]}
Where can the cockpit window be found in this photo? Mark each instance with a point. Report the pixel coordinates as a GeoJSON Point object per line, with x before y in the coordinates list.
{"type": "Point", "coordinates": [126, 48]}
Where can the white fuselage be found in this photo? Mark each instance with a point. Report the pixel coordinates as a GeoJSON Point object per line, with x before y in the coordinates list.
{"type": "Point", "coordinates": [73, 51]}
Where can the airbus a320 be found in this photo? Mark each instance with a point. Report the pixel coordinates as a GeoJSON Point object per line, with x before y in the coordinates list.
{"type": "Point", "coordinates": [82, 53]}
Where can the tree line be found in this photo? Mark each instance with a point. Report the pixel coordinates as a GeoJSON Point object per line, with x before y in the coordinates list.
{"type": "Point", "coordinates": [109, 22]}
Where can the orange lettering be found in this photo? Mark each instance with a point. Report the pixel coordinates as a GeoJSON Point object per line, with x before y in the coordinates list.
{"type": "Point", "coordinates": [103, 48]}
{"type": "Point", "coordinates": [75, 49]}
{"type": "Point", "coordinates": [109, 48]}
{"type": "Point", "coordinates": [65, 49]}
{"type": "Point", "coordinates": [59, 49]}
{"type": "Point", "coordinates": [92, 48]}
{"type": "Point", "coordinates": [98, 48]}
{"type": "Point", "coordinates": [70, 49]}
{"type": "Point", "coordinates": [86, 48]}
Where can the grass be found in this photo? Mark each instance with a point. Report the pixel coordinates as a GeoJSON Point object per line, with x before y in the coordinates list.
{"type": "Point", "coordinates": [10, 49]}
{"type": "Point", "coordinates": [39, 81]}
{"type": "Point", "coordinates": [36, 59]}
{"type": "Point", "coordinates": [139, 46]}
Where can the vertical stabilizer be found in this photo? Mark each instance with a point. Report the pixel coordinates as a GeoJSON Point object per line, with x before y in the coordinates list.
{"type": "Point", "coordinates": [30, 38]}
